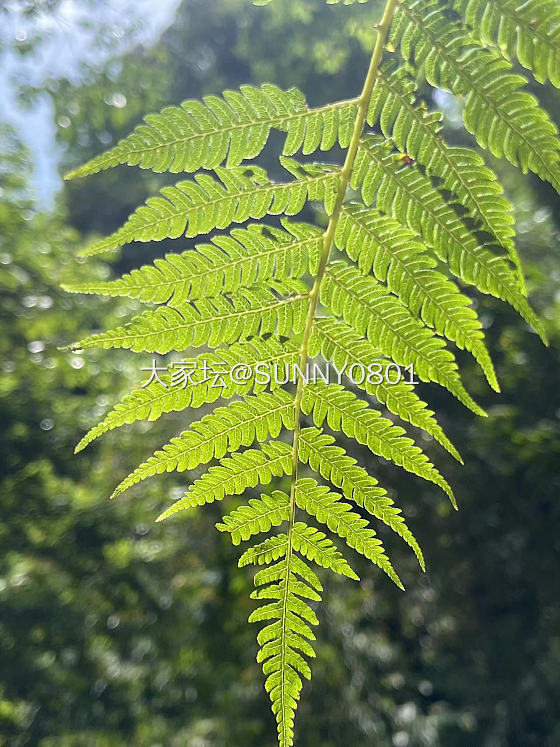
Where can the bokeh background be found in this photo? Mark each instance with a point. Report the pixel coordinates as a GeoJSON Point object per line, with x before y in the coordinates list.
{"type": "Point", "coordinates": [117, 631]}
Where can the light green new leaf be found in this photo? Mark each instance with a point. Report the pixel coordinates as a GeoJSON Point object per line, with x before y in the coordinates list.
{"type": "Point", "coordinates": [319, 451]}
{"type": "Point", "coordinates": [407, 194]}
{"type": "Point", "coordinates": [526, 30]}
{"type": "Point", "coordinates": [244, 258]}
{"type": "Point", "coordinates": [233, 475]}
{"type": "Point", "coordinates": [196, 382]}
{"type": "Point", "coordinates": [256, 417]}
{"type": "Point", "coordinates": [329, 509]}
{"type": "Point", "coordinates": [270, 296]}
{"type": "Point", "coordinates": [233, 127]}
{"type": "Point", "coordinates": [210, 321]}
{"type": "Point", "coordinates": [381, 318]}
{"type": "Point", "coordinates": [340, 343]}
{"type": "Point", "coordinates": [196, 207]}
{"type": "Point", "coordinates": [259, 516]}
{"type": "Point", "coordinates": [416, 132]}
{"type": "Point", "coordinates": [343, 411]}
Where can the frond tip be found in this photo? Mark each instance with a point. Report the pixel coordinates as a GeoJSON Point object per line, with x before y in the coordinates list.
{"type": "Point", "coordinates": [286, 587]}
{"type": "Point", "coordinates": [287, 637]}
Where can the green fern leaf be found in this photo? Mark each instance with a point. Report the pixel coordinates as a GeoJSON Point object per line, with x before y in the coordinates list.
{"type": "Point", "coordinates": [527, 31]}
{"type": "Point", "coordinates": [225, 429]}
{"type": "Point", "coordinates": [259, 516]}
{"type": "Point", "coordinates": [213, 321]}
{"type": "Point", "coordinates": [504, 118]}
{"type": "Point", "coordinates": [159, 397]}
{"type": "Point", "coordinates": [417, 133]}
{"type": "Point", "coordinates": [240, 260]}
{"type": "Point", "coordinates": [376, 314]}
{"type": "Point", "coordinates": [233, 475]}
{"type": "Point", "coordinates": [409, 196]}
{"type": "Point", "coordinates": [235, 127]}
{"type": "Point", "coordinates": [282, 641]}
{"type": "Point", "coordinates": [318, 450]}
{"type": "Point", "coordinates": [327, 508]}
{"type": "Point", "coordinates": [195, 207]}
{"type": "Point", "coordinates": [265, 552]}
{"type": "Point", "coordinates": [289, 584]}
{"type": "Point", "coordinates": [275, 572]}
{"type": "Point", "coordinates": [340, 343]}
{"type": "Point", "coordinates": [315, 545]}
{"type": "Point", "coordinates": [308, 541]}
{"type": "Point", "coordinates": [425, 210]}
{"type": "Point", "coordinates": [380, 244]}
{"type": "Point", "coordinates": [344, 412]}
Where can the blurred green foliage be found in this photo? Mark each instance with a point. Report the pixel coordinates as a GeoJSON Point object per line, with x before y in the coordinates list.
{"type": "Point", "coordinates": [115, 631]}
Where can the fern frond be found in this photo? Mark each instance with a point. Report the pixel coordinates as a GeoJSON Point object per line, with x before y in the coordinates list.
{"type": "Point", "coordinates": [233, 475]}
{"type": "Point", "coordinates": [416, 132]}
{"type": "Point", "coordinates": [380, 244]}
{"type": "Point", "coordinates": [282, 641]}
{"type": "Point", "coordinates": [256, 417]}
{"type": "Point", "coordinates": [379, 316]}
{"type": "Point", "coordinates": [195, 207]}
{"type": "Point", "coordinates": [290, 584]}
{"type": "Point", "coordinates": [429, 210]}
{"type": "Point", "coordinates": [344, 412]}
{"type": "Point", "coordinates": [409, 196]}
{"type": "Point", "coordinates": [315, 545]}
{"type": "Point", "coordinates": [242, 259]}
{"type": "Point", "coordinates": [329, 509]}
{"type": "Point", "coordinates": [321, 128]}
{"type": "Point", "coordinates": [319, 451]}
{"type": "Point", "coordinates": [265, 552]}
{"type": "Point", "coordinates": [310, 542]}
{"type": "Point", "coordinates": [528, 31]}
{"type": "Point", "coordinates": [259, 516]}
{"type": "Point", "coordinates": [234, 127]}
{"type": "Point", "coordinates": [160, 397]}
{"type": "Point", "coordinates": [498, 111]}
{"type": "Point", "coordinates": [341, 344]}
{"type": "Point", "coordinates": [275, 573]}
{"type": "Point", "coordinates": [210, 321]}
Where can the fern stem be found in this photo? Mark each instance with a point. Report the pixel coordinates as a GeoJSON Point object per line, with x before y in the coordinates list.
{"type": "Point", "coordinates": [328, 241]}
